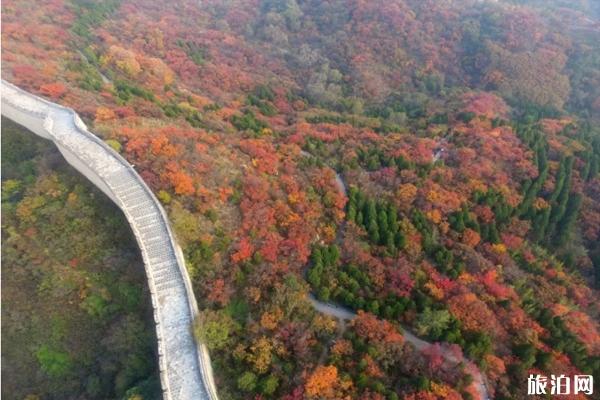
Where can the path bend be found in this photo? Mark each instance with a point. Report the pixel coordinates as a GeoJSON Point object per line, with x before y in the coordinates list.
{"type": "Point", "coordinates": [345, 314]}
{"type": "Point", "coordinates": [184, 365]}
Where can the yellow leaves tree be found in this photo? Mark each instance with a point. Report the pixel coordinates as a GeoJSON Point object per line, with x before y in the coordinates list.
{"type": "Point", "coordinates": [160, 70]}
{"type": "Point", "coordinates": [540, 204]}
{"type": "Point", "coordinates": [405, 196]}
{"type": "Point", "coordinates": [123, 59]}
{"type": "Point", "coordinates": [261, 354]}
{"type": "Point", "coordinates": [323, 324]}
{"type": "Point", "coordinates": [269, 320]}
{"type": "Point", "coordinates": [413, 239]}
{"type": "Point", "coordinates": [499, 248]}
{"type": "Point", "coordinates": [435, 291]}
{"type": "Point", "coordinates": [434, 216]}
{"type": "Point", "coordinates": [104, 114]}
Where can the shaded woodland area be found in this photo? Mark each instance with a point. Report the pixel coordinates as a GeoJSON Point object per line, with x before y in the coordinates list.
{"type": "Point", "coordinates": [77, 321]}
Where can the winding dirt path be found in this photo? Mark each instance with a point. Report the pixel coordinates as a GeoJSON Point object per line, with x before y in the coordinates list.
{"type": "Point", "coordinates": [345, 314]}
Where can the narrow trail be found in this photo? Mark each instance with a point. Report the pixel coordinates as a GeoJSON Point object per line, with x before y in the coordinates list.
{"type": "Point", "coordinates": [344, 314]}
{"type": "Point", "coordinates": [105, 80]}
{"type": "Point", "coordinates": [440, 149]}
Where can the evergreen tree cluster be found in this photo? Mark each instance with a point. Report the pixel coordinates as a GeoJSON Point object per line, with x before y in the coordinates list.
{"type": "Point", "coordinates": [262, 98]}
{"type": "Point", "coordinates": [443, 258]}
{"type": "Point", "coordinates": [379, 219]}
{"type": "Point", "coordinates": [349, 284]}
{"type": "Point", "coordinates": [554, 225]}
{"type": "Point", "coordinates": [322, 258]}
{"type": "Point", "coordinates": [535, 140]}
{"type": "Point", "coordinates": [374, 159]}
{"type": "Point", "coordinates": [461, 219]}
{"type": "Point", "coordinates": [248, 122]}
{"type": "Point", "coordinates": [194, 51]}
{"type": "Point", "coordinates": [559, 339]}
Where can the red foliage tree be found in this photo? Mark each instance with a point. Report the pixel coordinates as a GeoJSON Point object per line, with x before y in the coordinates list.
{"type": "Point", "coordinates": [245, 249]}
{"type": "Point", "coordinates": [53, 90]}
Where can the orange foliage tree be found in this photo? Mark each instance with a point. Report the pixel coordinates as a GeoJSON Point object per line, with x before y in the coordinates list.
{"type": "Point", "coordinates": [322, 382]}
{"type": "Point", "coordinates": [182, 183]}
{"type": "Point", "coordinates": [244, 251]}
{"type": "Point", "coordinates": [53, 90]}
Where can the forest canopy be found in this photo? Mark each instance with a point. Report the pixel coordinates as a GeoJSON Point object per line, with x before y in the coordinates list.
{"type": "Point", "coordinates": [432, 167]}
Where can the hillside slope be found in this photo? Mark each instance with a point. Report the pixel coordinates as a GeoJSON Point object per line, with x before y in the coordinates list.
{"type": "Point", "coordinates": [466, 132]}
